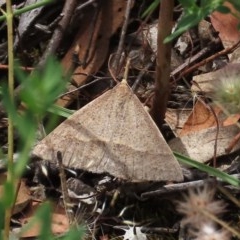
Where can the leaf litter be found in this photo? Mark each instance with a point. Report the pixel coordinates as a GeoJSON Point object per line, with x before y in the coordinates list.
{"type": "Point", "coordinates": [122, 129]}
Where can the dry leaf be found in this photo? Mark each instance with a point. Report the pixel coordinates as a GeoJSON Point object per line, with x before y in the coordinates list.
{"type": "Point", "coordinates": [23, 197]}
{"type": "Point", "coordinates": [200, 145]}
{"type": "Point", "coordinates": [232, 119]}
{"type": "Point", "coordinates": [226, 25]}
{"type": "Point", "coordinates": [60, 223]}
{"type": "Point", "coordinates": [110, 18]}
{"type": "Point", "coordinates": [204, 82]}
{"type": "Point", "coordinates": [176, 118]}
{"type": "Point", "coordinates": [201, 118]}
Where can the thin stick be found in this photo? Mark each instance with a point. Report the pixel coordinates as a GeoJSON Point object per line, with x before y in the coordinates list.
{"type": "Point", "coordinates": [189, 61]}
{"type": "Point", "coordinates": [207, 60]}
{"type": "Point", "coordinates": [162, 79]}
{"type": "Point", "coordinates": [110, 69]}
{"type": "Point", "coordinates": [66, 199]}
{"type": "Point", "coordinates": [67, 12]}
{"type": "Point", "coordinates": [217, 123]}
{"type": "Point", "coordinates": [140, 75]}
{"type": "Point", "coordinates": [85, 5]}
{"type": "Point", "coordinates": [179, 187]}
{"type": "Point", "coordinates": [10, 177]}
{"type": "Point", "coordinates": [125, 76]}
{"type": "Point", "coordinates": [122, 38]}
{"type": "Point", "coordinates": [83, 86]}
{"type": "Point", "coordinates": [222, 223]}
{"type": "Point", "coordinates": [233, 143]}
{"type": "Point", "coordinates": [27, 69]}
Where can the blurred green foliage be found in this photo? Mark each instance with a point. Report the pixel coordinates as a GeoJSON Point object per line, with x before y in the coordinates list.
{"type": "Point", "coordinates": [193, 12]}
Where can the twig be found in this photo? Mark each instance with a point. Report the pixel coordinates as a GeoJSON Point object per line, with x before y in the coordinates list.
{"type": "Point", "coordinates": [140, 75]}
{"type": "Point", "coordinates": [179, 187]}
{"type": "Point", "coordinates": [217, 123]}
{"type": "Point", "coordinates": [162, 80]}
{"type": "Point", "coordinates": [221, 223]}
{"type": "Point", "coordinates": [83, 86]}
{"type": "Point", "coordinates": [110, 69]}
{"type": "Point", "coordinates": [190, 60]}
{"type": "Point", "coordinates": [67, 12]}
{"type": "Point", "coordinates": [216, 137]}
{"type": "Point", "coordinates": [122, 38]}
{"type": "Point", "coordinates": [66, 199]}
{"type": "Point", "coordinates": [125, 75]}
{"type": "Point", "coordinates": [10, 173]}
{"type": "Point", "coordinates": [157, 230]}
{"type": "Point", "coordinates": [28, 69]}
{"type": "Point", "coordinates": [230, 196]}
{"type": "Point", "coordinates": [85, 5]}
{"type": "Point", "coordinates": [207, 60]}
{"type": "Point", "coordinates": [48, 28]}
{"type": "Point", "coordinates": [233, 143]}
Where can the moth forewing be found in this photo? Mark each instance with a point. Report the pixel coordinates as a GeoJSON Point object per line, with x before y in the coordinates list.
{"type": "Point", "coordinates": [114, 134]}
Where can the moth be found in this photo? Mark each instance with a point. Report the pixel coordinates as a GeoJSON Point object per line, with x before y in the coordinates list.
{"type": "Point", "coordinates": [113, 134]}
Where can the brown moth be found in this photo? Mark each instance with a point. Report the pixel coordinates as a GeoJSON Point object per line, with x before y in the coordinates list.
{"type": "Point", "coordinates": [113, 134]}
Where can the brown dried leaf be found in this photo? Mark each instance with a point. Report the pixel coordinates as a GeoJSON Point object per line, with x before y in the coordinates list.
{"type": "Point", "coordinates": [110, 18]}
{"type": "Point", "coordinates": [60, 222]}
{"type": "Point", "coordinates": [23, 197]}
{"type": "Point", "coordinates": [176, 118]}
{"type": "Point", "coordinates": [201, 118]}
{"type": "Point", "coordinates": [200, 145]}
{"type": "Point", "coordinates": [232, 119]}
{"type": "Point", "coordinates": [226, 25]}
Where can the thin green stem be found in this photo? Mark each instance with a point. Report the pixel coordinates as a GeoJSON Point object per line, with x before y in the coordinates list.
{"type": "Point", "coordinates": [20, 11]}
{"type": "Point", "coordinates": [10, 178]}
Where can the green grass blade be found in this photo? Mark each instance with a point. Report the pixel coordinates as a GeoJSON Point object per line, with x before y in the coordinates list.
{"type": "Point", "coordinates": [60, 111]}
{"type": "Point", "coordinates": [210, 170]}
